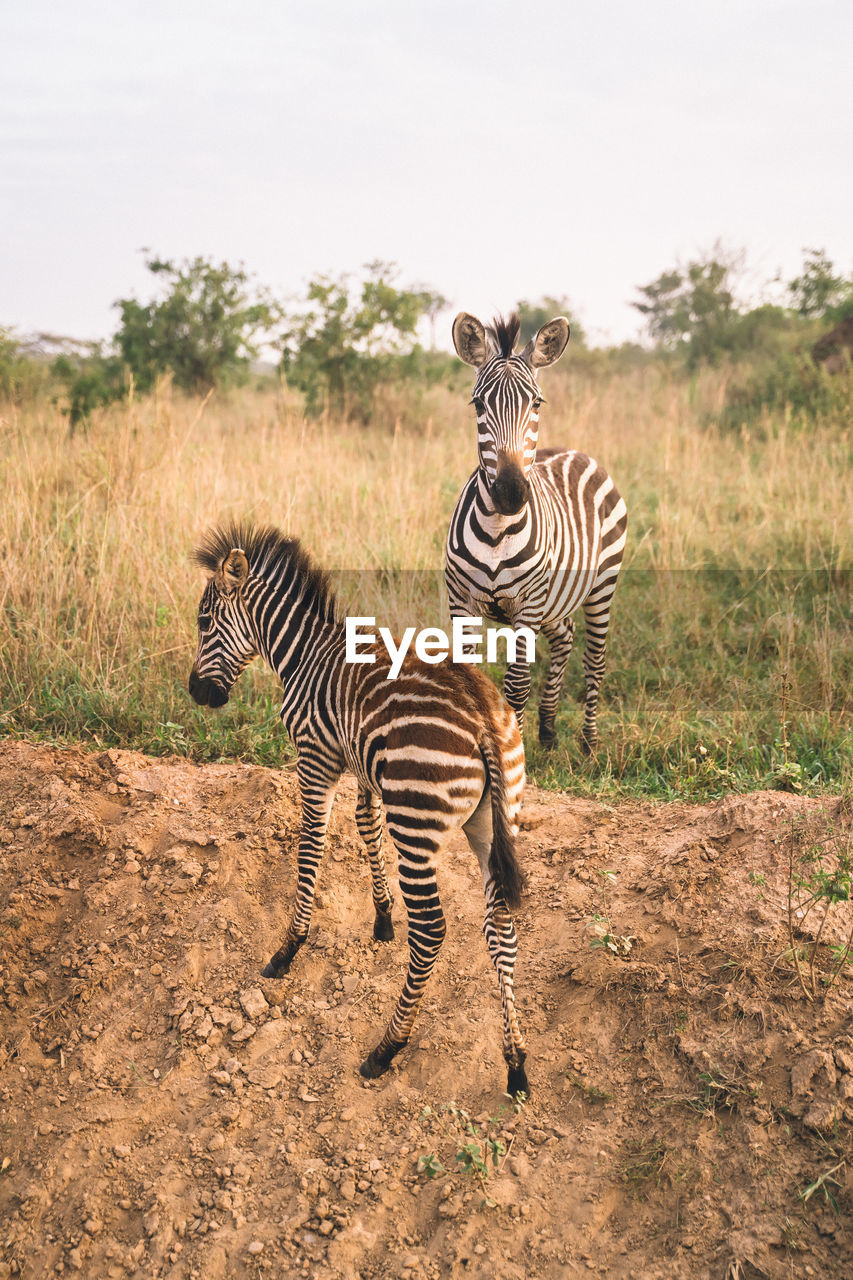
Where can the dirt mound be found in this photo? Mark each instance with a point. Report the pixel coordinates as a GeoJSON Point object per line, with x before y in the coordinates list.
{"type": "Point", "coordinates": [167, 1112]}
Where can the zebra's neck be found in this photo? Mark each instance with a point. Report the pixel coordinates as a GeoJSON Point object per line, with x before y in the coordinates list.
{"type": "Point", "coordinates": [290, 625]}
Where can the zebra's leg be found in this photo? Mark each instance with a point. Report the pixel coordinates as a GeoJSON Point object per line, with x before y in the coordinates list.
{"type": "Point", "coordinates": [517, 688]}
{"type": "Point", "coordinates": [318, 778]}
{"type": "Point", "coordinates": [417, 850]}
{"type": "Point", "coordinates": [502, 943]}
{"type": "Point", "coordinates": [560, 636]}
{"type": "Point", "coordinates": [597, 615]}
{"type": "Point", "coordinates": [368, 819]}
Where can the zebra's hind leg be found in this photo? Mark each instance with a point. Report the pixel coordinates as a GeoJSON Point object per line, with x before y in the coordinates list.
{"type": "Point", "coordinates": [427, 928]}
{"type": "Point", "coordinates": [368, 819]}
{"type": "Point", "coordinates": [560, 636]}
{"type": "Point", "coordinates": [318, 778]}
{"type": "Point", "coordinates": [503, 946]}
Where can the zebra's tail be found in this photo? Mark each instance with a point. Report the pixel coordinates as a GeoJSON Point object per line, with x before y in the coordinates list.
{"type": "Point", "coordinates": [503, 863]}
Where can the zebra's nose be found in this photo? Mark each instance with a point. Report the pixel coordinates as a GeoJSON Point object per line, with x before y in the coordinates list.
{"type": "Point", "coordinates": [510, 491]}
{"type": "Point", "coordinates": [206, 692]}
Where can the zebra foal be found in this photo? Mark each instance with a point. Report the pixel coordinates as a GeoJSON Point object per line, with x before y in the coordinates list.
{"type": "Point", "coordinates": [532, 540]}
{"type": "Point", "coordinates": [437, 746]}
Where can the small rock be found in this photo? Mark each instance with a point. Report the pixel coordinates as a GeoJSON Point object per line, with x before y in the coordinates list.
{"type": "Point", "coordinates": [216, 1143]}
{"type": "Point", "coordinates": [93, 1226]}
{"type": "Point", "coordinates": [520, 1165]}
{"type": "Point", "coordinates": [255, 1248]}
{"type": "Point", "coordinates": [246, 1033]}
{"type": "Point", "coordinates": [347, 1188]}
{"type": "Point", "coordinates": [253, 1002]}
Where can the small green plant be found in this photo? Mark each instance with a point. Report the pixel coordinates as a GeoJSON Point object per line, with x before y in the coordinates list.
{"type": "Point", "coordinates": [644, 1160]}
{"type": "Point", "coordinates": [590, 1091]}
{"type": "Point", "coordinates": [822, 1184]}
{"type": "Point", "coordinates": [480, 1149]}
{"type": "Point", "coordinates": [820, 878]}
{"type": "Point", "coordinates": [720, 1088]}
{"type": "Point", "coordinates": [600, 926]}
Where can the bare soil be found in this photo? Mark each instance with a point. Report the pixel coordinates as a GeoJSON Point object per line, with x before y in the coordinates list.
{"type": "Point", "coordinates": [167, 1112]}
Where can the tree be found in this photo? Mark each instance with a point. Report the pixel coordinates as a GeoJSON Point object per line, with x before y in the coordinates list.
{"type": "Point", "coordinates": [693, 308]}
{"type": "Point", "coordinates": [349, 338]}
{"type": "Point", "coordinates": [205, 330]}
{"type": "Point", "coordinates": [534, 314]}
{"type": "Point", "coordinates": [818, 291]}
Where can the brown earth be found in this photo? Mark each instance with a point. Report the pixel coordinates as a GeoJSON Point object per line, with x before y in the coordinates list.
{"type": "Point", "coordinates": [167, 1112]}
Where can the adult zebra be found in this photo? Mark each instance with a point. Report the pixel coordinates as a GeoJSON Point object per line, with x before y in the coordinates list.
{"type": "Point", "coordinates": [438, 746]}
{"type": "Point", "coordinates": [533, 537]}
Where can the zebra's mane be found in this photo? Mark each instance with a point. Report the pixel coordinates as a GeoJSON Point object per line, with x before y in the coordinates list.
{"type": "Point", "coordinates": [270, 553]}
{"type": "Point", "coordinates": [504, 333]}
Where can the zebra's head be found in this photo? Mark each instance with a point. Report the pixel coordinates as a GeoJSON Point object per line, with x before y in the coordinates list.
{"type": "Point", "coordinates": [507, 398]}
{"type": "Point", "coordinates": [226, 638]}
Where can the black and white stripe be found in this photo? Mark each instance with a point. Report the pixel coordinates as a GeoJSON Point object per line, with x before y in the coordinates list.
{"type": "Point", "coordinates": [533, 538]}
{"type": "Point", "coordinates": [437, 746]}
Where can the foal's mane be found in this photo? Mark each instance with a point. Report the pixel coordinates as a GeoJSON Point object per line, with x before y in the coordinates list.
{"type": "Point", "coordinates": [271, 554]}
{"type": "Point", "coordinates": [504, 333]}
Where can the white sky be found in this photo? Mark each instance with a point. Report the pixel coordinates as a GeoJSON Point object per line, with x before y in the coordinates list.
{"type": "Point", "coordinates": [494, 151]}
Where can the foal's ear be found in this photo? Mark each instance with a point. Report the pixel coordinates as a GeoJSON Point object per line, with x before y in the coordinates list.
{"type": "Point", "coordinates": [233, 571]}
{"type": "Point", "coordinates": [548, 345]}
{"type": "Point", "coordinates": [469, 339]}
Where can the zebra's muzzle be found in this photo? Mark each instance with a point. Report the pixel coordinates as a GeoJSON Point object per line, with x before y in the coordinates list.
{"type": "Point", "coordinates": [510, 490]}
{"type": "Point", "coordinates": [206, 692]}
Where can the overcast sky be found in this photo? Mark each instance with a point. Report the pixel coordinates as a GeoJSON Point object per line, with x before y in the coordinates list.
{"type": "Point", "coordinates": [494, 151]}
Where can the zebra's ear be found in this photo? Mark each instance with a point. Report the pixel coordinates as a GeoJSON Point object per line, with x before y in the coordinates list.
{"type": "Point", "coordinates": [469, 339]}
{"type": "Point", "coordinates": [233, 572]}
{"type": "Point", "coordinates": [548, 345]}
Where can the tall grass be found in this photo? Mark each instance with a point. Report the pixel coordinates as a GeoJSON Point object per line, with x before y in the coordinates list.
{"type": "Point", "coordinates": [738, 570]}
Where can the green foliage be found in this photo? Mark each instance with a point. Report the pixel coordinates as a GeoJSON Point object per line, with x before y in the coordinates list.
{"type": "Point", "coordinates": [89, 383]}
{"type": "Point", "coordinates": [692, 309]}
{"type": "Point", "coordinates": [818, 290]}
{"type": "Point", "coordinates": [20, 376]}
{"type": "Point", "coordinates": [350, 339]}
{"type": "Point", "coordinates": [534, 314]}
{"type": "Point", "coordinates": [789, 388]}
{"type": "Point", "coordinates": [205, 330]}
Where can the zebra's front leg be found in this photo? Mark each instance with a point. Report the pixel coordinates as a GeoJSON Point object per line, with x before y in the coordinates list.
{"type": "Point", "coordinates": [597, 616]}
{"type": "Point", "coordinates": [560, 636]}
{"type": "Point", "coordinates": [517, 689]}
{"type": "Point", "coordinates": [368, 819]}
{"type": "Point", "coordinates": [426, 934]}
{"type": "Point", "coordinates": [318, 778]}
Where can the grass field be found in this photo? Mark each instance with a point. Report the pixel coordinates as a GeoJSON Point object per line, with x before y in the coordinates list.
{"type": "Point", "coordinates": [730, 664]}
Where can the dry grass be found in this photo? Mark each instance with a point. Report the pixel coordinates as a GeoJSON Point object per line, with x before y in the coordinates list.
{"type": "Point", "coordinates": [99, 594]}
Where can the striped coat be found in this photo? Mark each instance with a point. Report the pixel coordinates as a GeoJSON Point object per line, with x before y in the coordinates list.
{"type": "Point", "coordinates": [534, 536]}
{"type": "Point", "coordinates": [437, 747]}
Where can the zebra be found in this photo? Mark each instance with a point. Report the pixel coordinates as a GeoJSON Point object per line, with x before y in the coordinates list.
{"type": "Point", "coordinates": [533, 536]}
{"type": "Point", "coordinates": [437, 746]}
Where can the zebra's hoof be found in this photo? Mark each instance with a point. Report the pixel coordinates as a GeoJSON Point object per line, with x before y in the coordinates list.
{"type": "Point", "coordinates": [273, 970]}
{"type": "Point", "coordinates": [383, 927]}
{"type": "Point", "coordinates": [547, 736]}
{"type": "Point", "coordinates": [589, 744]}
{"type": "Point", "coordinates": [378, 1061]}
{"type": "Point", "coordinates": [516, 1082]}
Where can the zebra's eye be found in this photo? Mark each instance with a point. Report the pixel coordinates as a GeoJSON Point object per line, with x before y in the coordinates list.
{"type": "Point", "coordinates": [205, 623]}
{"type": "Point", "coordinates": [478, 405]}
{"type": "Point", "coordinates": [536, 403]}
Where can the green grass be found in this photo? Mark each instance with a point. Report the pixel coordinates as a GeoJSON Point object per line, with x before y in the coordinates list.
{"type": "Point", "coordinates": [737, 577]}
